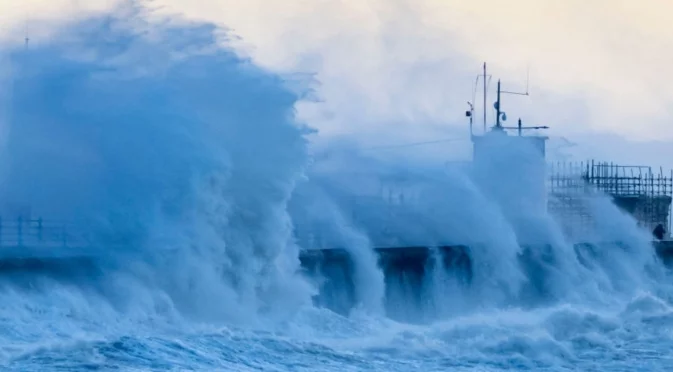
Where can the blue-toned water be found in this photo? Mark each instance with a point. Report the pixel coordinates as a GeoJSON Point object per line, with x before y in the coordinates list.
{"type": "Point", "coordinates": [186, 163]}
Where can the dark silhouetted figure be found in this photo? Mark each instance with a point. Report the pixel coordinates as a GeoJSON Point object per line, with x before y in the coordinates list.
{"type": "Point", "coordinates": [659, 232]}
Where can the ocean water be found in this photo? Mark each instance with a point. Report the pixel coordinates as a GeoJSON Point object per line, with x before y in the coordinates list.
{"type": "Point", "coordinates": [186, 164]}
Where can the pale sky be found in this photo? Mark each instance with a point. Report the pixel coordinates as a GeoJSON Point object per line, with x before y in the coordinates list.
{"type": "Point", "coordinates": [404, 69]}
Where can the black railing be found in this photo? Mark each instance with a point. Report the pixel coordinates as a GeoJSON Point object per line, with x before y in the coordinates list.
{"type": "Point", "coordinates": [25, 232]}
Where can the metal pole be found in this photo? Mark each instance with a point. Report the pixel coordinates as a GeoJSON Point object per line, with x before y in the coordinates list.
{"type": "Point", "coordinates": [19, 222]}
{"type": "Point", "coordinates": [497, 108]}
{"type": "Point", "coordinates": [519, 127]}
{"type": "Point", "coordinates": [484, 97]}
{"type": "Point", "coordinates": [471, 112]}
{"type": "Point", "coordinates": [64, 237]}
{"type": "Point", "coordinates": [39, 229]}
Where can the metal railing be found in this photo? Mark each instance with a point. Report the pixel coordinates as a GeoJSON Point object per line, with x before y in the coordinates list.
{"type": "Point", "coordinates": [27, 232]}
{"type": "Point", "coordinates": [647, 191]}
{"type": "Point", "coordinates": [609, 178]}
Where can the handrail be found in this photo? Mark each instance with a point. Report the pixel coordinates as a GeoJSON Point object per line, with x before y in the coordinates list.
{"type": "Point", "coordinates": [21, 232]}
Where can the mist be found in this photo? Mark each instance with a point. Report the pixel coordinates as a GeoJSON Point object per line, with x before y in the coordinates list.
{"type": "Point", "coordinates": [170, 150]}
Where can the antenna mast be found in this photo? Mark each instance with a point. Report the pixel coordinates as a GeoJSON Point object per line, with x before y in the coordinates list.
{"type": "Point", "coordinates": [501, 116]}
{"type": "Point", "coordinates": [485, 90]}
{"type": "Point", "coordinates": [497, 109]}
{"type": "Point", "coordinates": [470, 114]}
{"type": "Point", "coordinates": [497, 105]}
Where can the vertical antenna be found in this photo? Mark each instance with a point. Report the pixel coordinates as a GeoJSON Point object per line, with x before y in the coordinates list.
{"type": "Point", "coordinates": [26, 38]}
{"type": "Point", "coordinates": [519, 127]}
{"type": "Point", "coordinates": [484, 97]}
{"type": "Point", "coordinates": [470, 115]}
{"type": "Point", "coordinates": [497, 109]}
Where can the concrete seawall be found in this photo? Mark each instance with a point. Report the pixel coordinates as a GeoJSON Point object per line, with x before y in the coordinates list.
{"type": "Point", "coordinates": [410, 268]}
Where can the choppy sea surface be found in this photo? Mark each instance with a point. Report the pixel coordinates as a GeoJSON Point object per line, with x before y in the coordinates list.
{"type": "Point", "coordinates": [559, 338]}
{"type": "Point", "coordinates": [186, 165]}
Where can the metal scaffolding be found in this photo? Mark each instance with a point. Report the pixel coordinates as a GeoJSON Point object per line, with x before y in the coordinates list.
{"type": "Point", "coordinates": [638, 190]}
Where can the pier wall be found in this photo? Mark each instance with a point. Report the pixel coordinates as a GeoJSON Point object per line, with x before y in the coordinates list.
{"type": "Point", "coordinates": [411, 269]}
{"type": "Point", "coordinates": [649, 211]}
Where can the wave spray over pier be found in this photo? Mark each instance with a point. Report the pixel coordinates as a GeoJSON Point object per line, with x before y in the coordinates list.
{"type": "Point", "coordinates": [162, 209]}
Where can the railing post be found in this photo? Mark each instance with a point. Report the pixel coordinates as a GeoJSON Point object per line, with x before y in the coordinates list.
{"type": "Point", "coordinates": [65, 243]}
{"type": "Point", "coordinates": [19, 231]}
{"type": "Point", "coordinates": [39, 229]}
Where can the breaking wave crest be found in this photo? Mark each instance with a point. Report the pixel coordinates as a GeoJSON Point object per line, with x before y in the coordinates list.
{"type": "Point", "coordinates": [178, 154]}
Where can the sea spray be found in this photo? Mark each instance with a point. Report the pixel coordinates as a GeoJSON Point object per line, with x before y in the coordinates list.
{"type": "Point", "coordinates": [520, 255]}
{"type": "Point", "coordinates": [405, 206]}
{"type": "Point", "coordinates": [444, 290]}
{"type": "Point", "coordinates": [624, 251]}
{"type": "Point", "coordinates": [179, 155]}
{"type": "Point", "coordinates": [323, 223]}
{"type": "Point", "coordinates": [199, 232]}
{"type": "Point", "coordinates": [461, 214]}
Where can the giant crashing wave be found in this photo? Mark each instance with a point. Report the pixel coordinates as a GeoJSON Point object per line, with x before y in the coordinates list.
{"type": "Point", "coordinates": [178, 155]}
{"type": "Point", "coordinates": [186, 163]}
